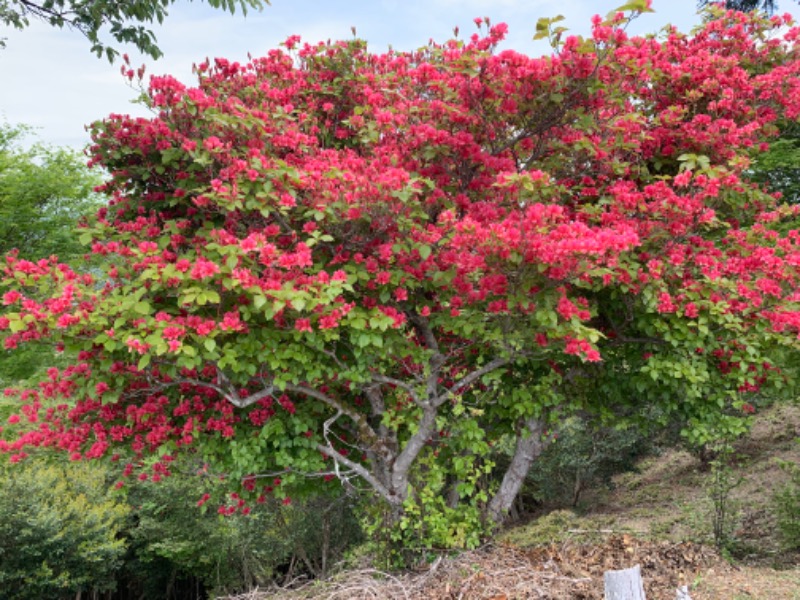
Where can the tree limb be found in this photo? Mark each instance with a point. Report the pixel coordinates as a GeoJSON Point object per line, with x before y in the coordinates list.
{"type": "Point", "coordinates": [472, 377]}
{"type": "Point", "coordinates": [401, 384]}
{"type": "Point", "coordinates": [362, 472]}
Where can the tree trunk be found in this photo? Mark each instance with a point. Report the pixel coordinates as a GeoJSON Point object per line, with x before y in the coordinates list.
{"type": "Point", "coordinates": [528, 449]}
{"type": "Point", "coordinates": [577, 488]}
{"type": "Point", "coordinates": [326, 542]}
{"type": "Point", "coordinates": [405, 460]}
{"type": "Point", "coordinates": [624, 585]}
{"type": "Point", "coordinates": [170, 585]}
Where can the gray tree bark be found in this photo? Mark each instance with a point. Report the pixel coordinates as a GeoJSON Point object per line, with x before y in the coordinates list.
{"type": "Point", "coordinates": [529, 448]}
{"type": "Point", "coordinates": [624, 585]}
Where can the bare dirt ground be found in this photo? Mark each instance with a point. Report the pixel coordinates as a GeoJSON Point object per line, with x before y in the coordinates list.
{"type": "Point", "coordinates": [657, 518]}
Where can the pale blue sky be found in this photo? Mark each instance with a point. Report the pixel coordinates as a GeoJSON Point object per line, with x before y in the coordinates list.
{"type": "Point", "coordinates": [51, 80]}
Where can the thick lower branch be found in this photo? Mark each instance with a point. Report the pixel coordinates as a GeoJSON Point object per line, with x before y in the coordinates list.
{"type": "Point", "coordinates": [528, 449]}
{"type": "Point", "coordinates": [361, 471]}
{"type": "Point", "coordinates": [414, 445]}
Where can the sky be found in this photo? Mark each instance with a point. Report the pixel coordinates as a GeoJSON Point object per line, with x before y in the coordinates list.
{"type": "Point", "coordinates": [49, 79]}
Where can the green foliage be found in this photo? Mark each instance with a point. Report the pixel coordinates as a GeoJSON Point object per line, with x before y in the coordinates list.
{"type": "Point", "coordinates": [59, 530]}
{"type": "Point", "coordinates": [451, 486]}
{"type": "Point", "coordinates": [171, 539]}
{"type": "Point", "coordinates": [444, 511]}
{"type": "Point", "coordinates": [556, 527]}
{"type": "Point", "coordinates": [125, 21]}
{"type": "Point", "coordinates": [44, 192]}
{"type": "Point", "coordinates": [584, 454]}
{"type": "Point", "coordinates": [779, 167]}
{"type": "Point", "coordinates": [724, 510]}
{"type": "Point", "coordinates": [787, 507]}
{"type": "Point", "coordinates": [769, 6]}
{"type": "Point", "coordinates": [63, 531]}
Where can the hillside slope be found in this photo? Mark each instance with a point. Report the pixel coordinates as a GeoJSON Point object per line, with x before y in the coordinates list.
{"type": "Point", "coordinates": [658, 517]}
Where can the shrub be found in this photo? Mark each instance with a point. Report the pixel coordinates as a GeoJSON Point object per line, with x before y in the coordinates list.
{"type": "Point", "coordinates": [59, 530]}
{"type": "Point", "coordinates": [584, 454]}
{"type": "Point", "coordinates": [174, 542]}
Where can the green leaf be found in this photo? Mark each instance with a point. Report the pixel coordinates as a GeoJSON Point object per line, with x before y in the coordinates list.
{"type": "Point", "coordinates": [634, 6]}
{"type": "Point", "coordinates": [15, 324]}
{"type": "Point", "coordinates": [143, 362]}
{"type": "Point", "coordinates": [543, 26]}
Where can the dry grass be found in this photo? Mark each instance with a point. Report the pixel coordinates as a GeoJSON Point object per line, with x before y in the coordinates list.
{"type": "Point", "coordinates": [492, 572]}
{"type": "Point", "coordinates": [653, 518]}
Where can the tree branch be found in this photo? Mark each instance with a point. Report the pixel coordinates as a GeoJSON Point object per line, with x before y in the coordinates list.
{"type": "Point", "coordinates": [362, 472]}
{"type": "Point", "coordinates": [413, 447]}
{"type": "Point", "coordinates": [422, 326]}
{"type": "Point", "coordinates": [472, 377]}
{"type": "Point", "coordinates": [401, 384]}
{"type": "Point", "coordinates": [365, 431]}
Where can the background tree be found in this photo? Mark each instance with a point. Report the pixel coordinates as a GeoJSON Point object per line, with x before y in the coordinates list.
{"type": "Point", "coordinates": [584, 455]}
{"type": "Point", "coordinates": [779, 167]}
{"type": "Point", "coordinates": [126, 22]}
{"type": "Point", "coordinates": [44, 193]}
{"type": "Point", "coordinates": [378, 268]}
{"type": "Point", "coordinates": [770, 6]}
{"type": "Point", "coordinates": [189, 529]}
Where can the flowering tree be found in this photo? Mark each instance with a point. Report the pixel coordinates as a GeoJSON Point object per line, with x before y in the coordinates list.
{"type": "Point", "coordinates": [329, 263]}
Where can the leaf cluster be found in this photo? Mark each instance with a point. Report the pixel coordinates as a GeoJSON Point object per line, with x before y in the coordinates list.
{"type": "Point", "coordinates": [769, 6]}
{"type": "Point", "coordinates": [126, 21]}
{"type": "Point", "coordinates": [59, 530]}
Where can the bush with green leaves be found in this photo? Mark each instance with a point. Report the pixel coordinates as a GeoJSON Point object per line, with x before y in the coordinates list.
{"type": "Point", "coordinates": [582, 454]}
{"type": "Point", "coordinates": [223, 547]}
{"type": "Point", "coordinates": [59, 530]}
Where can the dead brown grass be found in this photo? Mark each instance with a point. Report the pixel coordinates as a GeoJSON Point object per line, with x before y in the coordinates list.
{"type": "Point", "coordinates": [653, 518]}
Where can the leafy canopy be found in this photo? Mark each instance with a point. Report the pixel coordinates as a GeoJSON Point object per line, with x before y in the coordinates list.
{"type": "Point", "coordinates": [126, 22]}
{"type": "Point", "coordinates": [769, 6]}
{"type": "Point", "coordinates": [44, 192]}
{"type": "Point", "coordinates": [331, 264]}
